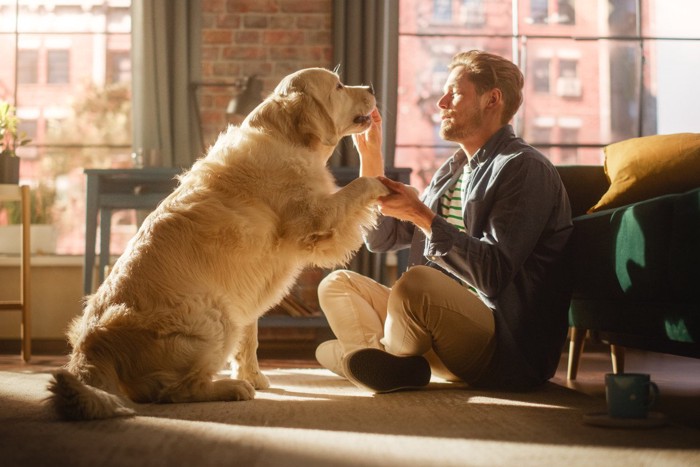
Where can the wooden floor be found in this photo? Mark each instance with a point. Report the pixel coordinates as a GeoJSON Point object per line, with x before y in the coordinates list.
{"type": "Point", "coordinates": [678, 378]}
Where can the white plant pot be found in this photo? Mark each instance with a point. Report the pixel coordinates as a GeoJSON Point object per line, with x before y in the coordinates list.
{"type": "Point", "coordinates": [42, 239]}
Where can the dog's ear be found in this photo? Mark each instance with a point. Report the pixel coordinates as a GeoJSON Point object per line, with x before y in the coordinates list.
{"type": "Point", "coordinates": [289, 85]}
{"type": "Point", "coordinates": [297, 116]}
{"type": "Point", "coordinates": [271, 117]}
{"type": "Point", "coordinates": [284, 87]}
{"type": "Point", "coordinates": [311, 120]}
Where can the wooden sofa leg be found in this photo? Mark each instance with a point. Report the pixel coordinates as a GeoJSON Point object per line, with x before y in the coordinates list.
{"type": "Point", "coordinates": [617, 354]}
{"type": "Point", "coordinates": [578, 336]}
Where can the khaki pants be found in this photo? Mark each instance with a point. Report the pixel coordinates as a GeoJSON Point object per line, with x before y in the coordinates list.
{"type": "Point", "coordinates": [425, 313]}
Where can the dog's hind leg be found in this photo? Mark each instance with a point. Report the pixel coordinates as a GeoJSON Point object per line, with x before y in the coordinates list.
{"type": "Point", "coordinates": [247, 359]}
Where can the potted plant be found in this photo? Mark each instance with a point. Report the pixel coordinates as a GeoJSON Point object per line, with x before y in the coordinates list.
{"type": "Point", "coordinates": [10, 140]}
{"type": "Point", "coordinates": [43, 232]}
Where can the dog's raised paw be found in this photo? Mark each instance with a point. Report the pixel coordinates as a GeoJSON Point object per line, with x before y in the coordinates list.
{"type": "Point", "coordinates": [377, 188]}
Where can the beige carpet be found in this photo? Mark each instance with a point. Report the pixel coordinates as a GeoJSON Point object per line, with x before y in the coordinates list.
{"type": "Point", "coordinates": [311, 417]}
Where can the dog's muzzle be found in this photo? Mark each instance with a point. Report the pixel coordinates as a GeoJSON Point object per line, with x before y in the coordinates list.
{"type": "Point", "coordinates": [362, 119]}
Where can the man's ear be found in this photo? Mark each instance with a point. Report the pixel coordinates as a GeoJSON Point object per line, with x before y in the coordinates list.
{"type": "Point", "coordinates": [493, 97]}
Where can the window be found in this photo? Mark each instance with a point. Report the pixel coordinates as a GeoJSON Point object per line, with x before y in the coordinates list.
{"type": "Point", "coordinates": [472, 13]}
{"type": "Point", "coordinates": [467, 13]}
{"type": "Point", "coordinates": [72, 91]}
{"type": "Point", "coordinates": [566, 13]}
{"type": "Point", "coordinates": [539, 11]}
{"type": "Point", "coordinates": [551, 12]}
{"type": "Point", "coordinates": [118, 67]}
{"type": "Point", "coordinates": [596, 72]}
{"type": "Point", "coordinates": [568, 83]}
{"type": "Point", "coordinates": [28, 126]}
{"type": "Point", "coordinates": [568, 69]}
{"type": "Point", "coordinates": [442, 10]}
{"type": "Point", "coordinates": [568, 136]}
{"type": "Point", "coordinates": [28, 66]}
{"type": "Point", "coordinates": [57, 67]}
{"type": "Point", "coordinates": [540, 75]}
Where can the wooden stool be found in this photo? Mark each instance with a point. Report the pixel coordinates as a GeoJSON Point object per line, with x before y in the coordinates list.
{"type": "Point", "coordinates": [21, 194]}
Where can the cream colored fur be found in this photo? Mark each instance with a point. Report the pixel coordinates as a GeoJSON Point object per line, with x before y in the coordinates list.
{"type": "Point", "coordinates": [221, 250]}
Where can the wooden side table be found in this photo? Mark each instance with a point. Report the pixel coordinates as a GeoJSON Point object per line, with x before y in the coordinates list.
{"type": "Point", "coordinates": [111, 189]}
{"type": "Point", "coordinates": [21, 194]}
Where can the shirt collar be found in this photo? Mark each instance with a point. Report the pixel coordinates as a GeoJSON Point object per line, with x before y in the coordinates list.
{"type": "Point", "coordinates": [485, 152]}
{"type": "Point", "coordinates": [492, 146]}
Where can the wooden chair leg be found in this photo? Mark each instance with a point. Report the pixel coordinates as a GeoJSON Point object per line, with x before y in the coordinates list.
{"type": "Point", "coordinates": [25, 275]}
{"type": "Point", "coordinates": [617, 354]}
{"type": "Point", "coordinates": [578, 337]}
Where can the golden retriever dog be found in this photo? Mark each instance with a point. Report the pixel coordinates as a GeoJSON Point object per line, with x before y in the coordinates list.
{"type": "Point", "coordinates": [222, 249]}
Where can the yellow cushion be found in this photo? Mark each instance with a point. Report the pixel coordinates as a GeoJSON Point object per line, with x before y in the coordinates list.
{"type": "Point", "coordinates": [642, 168]}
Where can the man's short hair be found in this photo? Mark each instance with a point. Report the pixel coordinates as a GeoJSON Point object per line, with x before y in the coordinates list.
{"type": "Point", "coordinates": [488, 71]}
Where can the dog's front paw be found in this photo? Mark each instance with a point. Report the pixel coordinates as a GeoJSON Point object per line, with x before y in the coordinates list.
{"type": "Point", "coordinates": [244, 391]}
{"type": "Point", "coordinates": [227, 390]}
{"type": "Point", "coordinates": [256, 378]}
{"type": "Point", "coordinates": [376, 188]}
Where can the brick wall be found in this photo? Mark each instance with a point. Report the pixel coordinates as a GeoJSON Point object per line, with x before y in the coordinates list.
{"type": "Point", "coordinates": [268, 38]}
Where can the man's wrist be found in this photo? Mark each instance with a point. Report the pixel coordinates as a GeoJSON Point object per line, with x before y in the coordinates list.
{"type": "Point", "coordinates": [425, 220]}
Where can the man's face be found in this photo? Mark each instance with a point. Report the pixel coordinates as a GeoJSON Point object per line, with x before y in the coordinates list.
{"type": "Point", "coordinates": [460, 107]}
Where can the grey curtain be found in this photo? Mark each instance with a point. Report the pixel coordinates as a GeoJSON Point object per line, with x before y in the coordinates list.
{"type": "Point", "coordinates": [365, 46]}
{"type": "Point", "coordinates": [165, 59]}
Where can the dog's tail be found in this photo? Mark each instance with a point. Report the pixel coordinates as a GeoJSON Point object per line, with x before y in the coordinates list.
{"type": "Point", "coordinates": [74, 400]}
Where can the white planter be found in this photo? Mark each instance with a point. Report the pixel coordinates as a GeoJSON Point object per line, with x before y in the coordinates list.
{"type": "Point", "coordinates": [42, 239]}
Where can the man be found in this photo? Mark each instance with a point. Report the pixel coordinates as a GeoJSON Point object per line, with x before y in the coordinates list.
{"type": "Point", "coordinates": [486, 294]}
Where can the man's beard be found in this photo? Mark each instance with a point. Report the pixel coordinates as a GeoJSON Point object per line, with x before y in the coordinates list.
{"type": "Point", "coordinates": [456, 131]}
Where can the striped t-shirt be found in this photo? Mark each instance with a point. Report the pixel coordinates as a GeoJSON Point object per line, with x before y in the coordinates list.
{"type": "Point", "coordinates": [451, 201]}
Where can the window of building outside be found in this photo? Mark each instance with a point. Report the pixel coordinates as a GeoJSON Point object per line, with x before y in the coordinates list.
{"type": "Point", "coordinates": [540, 74]}
{"type": "Point", "coordinates": [596, 71]}
{"type": "Point", "coordinates": [27, 66]}
{"type": "Point", "coordinates": [58, 67]}
{"type": "Point", "coordinates": [69, 76]}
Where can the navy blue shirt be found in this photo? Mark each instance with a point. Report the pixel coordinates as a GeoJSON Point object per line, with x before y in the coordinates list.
{"type": "Point", "coordinates": [518, 222]}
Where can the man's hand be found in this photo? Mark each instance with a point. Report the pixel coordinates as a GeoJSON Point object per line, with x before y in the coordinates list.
{"type": "Point", "coordinates": [403, 203]}
{"type": "Point", "coordinates": [369, 145]}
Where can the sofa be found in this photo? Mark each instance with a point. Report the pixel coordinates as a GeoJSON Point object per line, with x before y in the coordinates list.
{"type": "Point", "coordinates": [635, 258]}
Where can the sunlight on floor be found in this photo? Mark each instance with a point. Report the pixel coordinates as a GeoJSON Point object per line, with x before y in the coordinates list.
{"type": "Point", "coordinates": [511, 402]}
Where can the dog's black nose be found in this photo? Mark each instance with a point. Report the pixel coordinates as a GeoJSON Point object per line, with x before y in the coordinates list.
{"type": "Point", "coordinates": [371, 89]}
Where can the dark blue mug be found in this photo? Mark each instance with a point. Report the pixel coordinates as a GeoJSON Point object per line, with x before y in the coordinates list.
{"type": "Point", "coordinates": [629, 395]}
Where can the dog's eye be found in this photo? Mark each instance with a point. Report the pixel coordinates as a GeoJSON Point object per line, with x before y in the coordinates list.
{"type": "Point", "coordinates": [339, 86]}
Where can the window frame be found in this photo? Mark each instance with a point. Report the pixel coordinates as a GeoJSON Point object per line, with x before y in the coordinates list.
{"type": "Point", "coordinates": [56, 69]}
{"type": "Point", "coordinates": [640, 37]}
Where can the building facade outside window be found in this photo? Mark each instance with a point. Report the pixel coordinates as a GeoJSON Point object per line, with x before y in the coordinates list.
{"type": "Point", "coordinates": [596, 72]}
{"type": "Point", "coordinates": [72, 90]}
